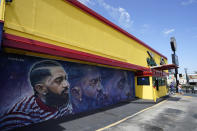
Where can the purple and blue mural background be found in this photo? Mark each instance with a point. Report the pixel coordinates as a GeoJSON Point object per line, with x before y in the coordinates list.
{"type": "Point", "coordinates": [88, 87]}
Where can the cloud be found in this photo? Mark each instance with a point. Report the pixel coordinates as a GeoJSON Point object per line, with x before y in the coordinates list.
{"type": "Point", "coordinates": [119, 14]}
{"type": "Point", "coordinates": [144, 28]}
{"type": "Point", "coordinates": [87, 2]}
{"type": "Point", "coordinates": [168, 31]}
{"type": "Point", "coordinates": [188, 2]}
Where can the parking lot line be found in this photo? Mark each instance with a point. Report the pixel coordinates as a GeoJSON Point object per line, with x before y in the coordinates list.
{"type": "Point", "coordinates": [126, 118]}
{"type": "Point", "coordinates": [188, 96]}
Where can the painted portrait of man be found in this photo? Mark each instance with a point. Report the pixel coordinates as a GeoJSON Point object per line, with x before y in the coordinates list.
{"type": "Point", "coordinates": [118, 86]}
{"type": "Point", "coordinates": [35, 89]}
{"type": "Point", "coordinates": [87, 91]}
{"type": "Point", "coordinates": [49, 81]}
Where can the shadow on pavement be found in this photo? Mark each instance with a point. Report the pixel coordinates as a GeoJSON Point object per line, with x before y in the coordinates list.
{"type": "Point", "coordinates": [174, 98]}
{"type": "Point", "coordinates": [146, 102]}
{"type": "Point", "coordinates": [190, 94]}
{"type": "Point", "coordinates": [53, 124]}
{"type": "Point", "coordinates": [141, 101]}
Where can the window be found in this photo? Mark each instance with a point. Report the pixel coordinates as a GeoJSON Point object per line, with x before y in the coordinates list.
{"type": "Point", "coordinates": [143, 81]}
{"type": "Point", "coordinates": [156, 82]}
{"type": "Point", "coordinates": [163, 81]}
{"type": "Point", "coordinates": [192, 83]}
{"type": "Point", "coordinates": [159, 81]}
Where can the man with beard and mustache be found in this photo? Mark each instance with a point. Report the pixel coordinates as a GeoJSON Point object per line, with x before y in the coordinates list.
{"type": "Point", "coordinates": [87, 91]}
{"type": "Point", "coordinates": [50, 100]}
{"type": "Point", "coordinates": [119, 86]}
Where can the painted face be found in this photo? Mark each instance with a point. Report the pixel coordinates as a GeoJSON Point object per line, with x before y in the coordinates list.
{"type": "Point", "coordinates": [76, 93]}
{"type": "Point", "coordinates": [122, 85]}
{"type": "Point", "coordinates": [119, 85]}
{"type": "Point", "coordinates": [58, 87]}
{"type": "Point", "coordinates": [92, 85]}
{"type": "Point", "coordinates": [120, 81]}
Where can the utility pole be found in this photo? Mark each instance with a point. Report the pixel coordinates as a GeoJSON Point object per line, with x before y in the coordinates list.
{"type": "Point", "coordinates": [187, 79]}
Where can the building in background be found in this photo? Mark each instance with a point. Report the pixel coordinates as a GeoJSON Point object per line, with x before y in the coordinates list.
{"type": "Point", "coordinates": [60, 57]}
{"type": "Point", "coordinates": [193, 81]}
{"type": "Point", "coordinates": [183, 80]}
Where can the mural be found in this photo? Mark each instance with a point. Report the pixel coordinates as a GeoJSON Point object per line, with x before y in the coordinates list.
{"type": "Point", "coordinates": [35, 89]}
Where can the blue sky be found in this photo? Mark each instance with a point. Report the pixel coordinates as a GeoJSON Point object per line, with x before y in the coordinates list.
{"type": "Point", "coordinates": [154, 22]}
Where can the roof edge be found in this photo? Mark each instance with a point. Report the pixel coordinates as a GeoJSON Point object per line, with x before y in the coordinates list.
{"type": "Point", "coordinates": [18, 42]}
{"type": "Point", "coordinates": [106, 21]}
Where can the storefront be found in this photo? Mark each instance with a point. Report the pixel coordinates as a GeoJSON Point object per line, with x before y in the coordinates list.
{"type": "Point", "coordinates": [60, 58]}
{"type": "Point", "coordinates": [152, 84]}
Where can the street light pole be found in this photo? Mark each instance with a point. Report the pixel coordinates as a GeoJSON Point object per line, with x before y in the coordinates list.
{"type": "Point", "coordinates": [187, 80]}
{"type": "Point", "coordinates": [186, 76]}
{"type": "Point", "coordinates": [176, 73]}
{"type": "Point", "coordinates": [174, 59]}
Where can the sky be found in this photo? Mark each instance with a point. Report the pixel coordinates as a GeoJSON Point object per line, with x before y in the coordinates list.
{"type": "Point", "coordinates": [154, 22]}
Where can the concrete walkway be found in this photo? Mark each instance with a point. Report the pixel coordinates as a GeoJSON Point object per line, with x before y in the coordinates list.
{"type": "Point", "coordinates": [178, 113]}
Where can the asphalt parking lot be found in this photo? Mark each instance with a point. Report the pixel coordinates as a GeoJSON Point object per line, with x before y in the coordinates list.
{"type": "Point", "coordinates": [177, 113]}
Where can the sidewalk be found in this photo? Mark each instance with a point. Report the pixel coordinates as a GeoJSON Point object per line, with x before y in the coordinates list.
{"type": "Point", "coordinates": [177, 113]}
{"type": "Point", "coordinates": [93, 120]}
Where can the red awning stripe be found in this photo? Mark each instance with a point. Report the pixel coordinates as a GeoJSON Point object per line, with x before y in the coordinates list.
{"type": "Point", "coordinates": [18, 42]}
{"type": "Point", "coordinates": [165, 67]}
